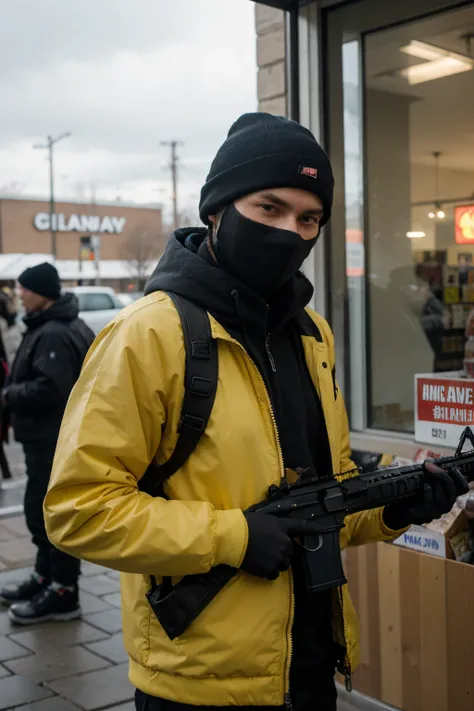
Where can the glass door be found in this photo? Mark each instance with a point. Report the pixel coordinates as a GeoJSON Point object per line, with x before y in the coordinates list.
{"type": "Point", "coordinates": [399, 105]}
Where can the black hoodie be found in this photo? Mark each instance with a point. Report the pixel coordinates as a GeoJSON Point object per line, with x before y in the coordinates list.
{"type": "Point", "coordinates": [271, 334]}
{"type": "Point", "coordinates": [47, 365]}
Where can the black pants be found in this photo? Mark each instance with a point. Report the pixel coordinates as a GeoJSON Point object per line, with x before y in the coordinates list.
{"type": "Point", "coordinates": [50, 563]}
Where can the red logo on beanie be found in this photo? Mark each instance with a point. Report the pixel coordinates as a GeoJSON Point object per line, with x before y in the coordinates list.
{"type": "Point", "coordinates": [310, 172]}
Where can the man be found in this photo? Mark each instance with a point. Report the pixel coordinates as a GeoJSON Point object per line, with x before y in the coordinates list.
{"type": "Point", "coordinates": [262, 641]}
{"type": "Point", "coordinates": [45, 369]}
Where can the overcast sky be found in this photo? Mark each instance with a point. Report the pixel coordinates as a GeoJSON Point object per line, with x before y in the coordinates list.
{"type": "Point", "coordinates": [122, 76]}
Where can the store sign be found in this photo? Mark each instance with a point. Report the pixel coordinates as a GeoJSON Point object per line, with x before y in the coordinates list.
{"type": "Point", "coordinates": [444, 407]}
{"type": "Point", "coordinates": [464, 224]}
{"type": "Point", "coordinates": [79, 223]}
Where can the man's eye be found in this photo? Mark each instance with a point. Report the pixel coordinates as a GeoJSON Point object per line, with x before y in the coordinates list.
{"type": "Point", "coordinates": [267, 207]}
{"type": "Point", "coordinates": [310, 221]}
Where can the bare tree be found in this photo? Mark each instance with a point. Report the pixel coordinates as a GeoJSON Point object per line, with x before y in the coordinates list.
{"type": "Point", "coordinates": [189, 219]}
{"type": "Point", "coordinates": [140, 251]}
{"type": "Point", "coordinates": [11, 188]}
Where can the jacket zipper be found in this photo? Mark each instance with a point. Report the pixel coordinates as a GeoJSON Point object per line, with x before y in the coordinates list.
{"type": "Point", "coordinates": [269, 353]}
{"type": "Point", "coordinates": [288, 702]}
{"type": "Point", "coordinates": [287, 695]}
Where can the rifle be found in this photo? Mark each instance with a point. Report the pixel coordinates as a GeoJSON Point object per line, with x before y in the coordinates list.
{"type": "Point", "coordinates": [323, 501]}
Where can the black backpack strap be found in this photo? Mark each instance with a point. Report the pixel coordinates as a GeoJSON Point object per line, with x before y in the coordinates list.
{"type": "Point", "coordinates": [200, 386]}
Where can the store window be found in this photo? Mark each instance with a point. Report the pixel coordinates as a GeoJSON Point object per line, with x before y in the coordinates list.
{"type": "Point", "coordinates": [419, 221]}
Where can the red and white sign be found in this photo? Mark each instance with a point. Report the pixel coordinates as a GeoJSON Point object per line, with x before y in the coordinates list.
{"type": "Point", "coordinates": [464, 224]}
{"type": "Point", "coordinates": [444, 407]}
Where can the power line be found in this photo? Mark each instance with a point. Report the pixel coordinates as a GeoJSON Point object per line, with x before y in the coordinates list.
{"type": "Point", "coordinates": [174, 176]}
{"type": "Point", "coordinates": [49, 146]}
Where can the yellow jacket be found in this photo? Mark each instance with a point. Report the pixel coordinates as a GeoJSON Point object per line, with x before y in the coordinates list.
{"type": "Point", "coordinates": [124, 409]}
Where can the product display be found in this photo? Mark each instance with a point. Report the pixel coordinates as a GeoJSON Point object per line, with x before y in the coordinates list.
{"type": "Point", "coordinates": [450, 275]}
{"type": "Point", "coordinates": [468, 293]}
{"type": "Point", "coordinates": [451, 294]}
{"type": "Point", "coordinates": [469, 357]}
{"type": "Point", "coordinates": [448, 315]}
{"type": "Point", "coordinates": [454, 526]}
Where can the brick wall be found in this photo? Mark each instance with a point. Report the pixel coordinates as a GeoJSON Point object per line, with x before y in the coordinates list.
{"type": "Point", "coordinates": [270, 26]}
{"type": "Point", "coordinates": [18, 234]}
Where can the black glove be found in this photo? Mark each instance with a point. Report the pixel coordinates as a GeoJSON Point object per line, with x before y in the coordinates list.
{"type": "Point", "coordinates": [441, 490]}
{"type": "Point", "coordinates": [270, 544]}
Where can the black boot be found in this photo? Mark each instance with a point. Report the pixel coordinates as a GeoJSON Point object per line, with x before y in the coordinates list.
{"type": "Point", "coordinates": [52, 603]}
{"type": "Point", "coordinates": [23, 592]}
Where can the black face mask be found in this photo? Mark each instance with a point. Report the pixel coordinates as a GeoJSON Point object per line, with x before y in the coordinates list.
{"type": "Point", "coordinates": [261, 257]}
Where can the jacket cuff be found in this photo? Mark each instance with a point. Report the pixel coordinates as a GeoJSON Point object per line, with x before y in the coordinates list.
{"type": "Point", "coordinates": [231, 538]}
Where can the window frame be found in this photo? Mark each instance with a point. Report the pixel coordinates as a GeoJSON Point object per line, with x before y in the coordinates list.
{"type": "Point", "coordinates": [337, 26]}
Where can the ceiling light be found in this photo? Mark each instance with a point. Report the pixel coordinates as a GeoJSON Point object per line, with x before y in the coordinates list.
{"type": "Point", "coordinates": [422, 50]}
{"type": "Point", "coordinates": [431, 215]}
{"type": "Point", "coordinates": [441, 214]}
{"type": "Point", "coordinates": [439, 63]}
{"type": "Point", "coordinates": [416, 235]}
{"type": "Point", "coordinates": [437, 69]}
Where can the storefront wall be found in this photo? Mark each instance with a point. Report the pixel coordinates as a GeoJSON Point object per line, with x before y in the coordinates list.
{"type": "Point", "coordinates": [126, 233]}
{"type": "Point", "coordinates": [378, 272]}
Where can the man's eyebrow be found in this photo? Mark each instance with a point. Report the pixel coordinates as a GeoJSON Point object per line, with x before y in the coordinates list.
{"type": "Point", "coordinates": [271, 197]}
{"type": "Point", "coordinates": [274, 198]}
{"type": "Point", "coordinates": [318, 211]}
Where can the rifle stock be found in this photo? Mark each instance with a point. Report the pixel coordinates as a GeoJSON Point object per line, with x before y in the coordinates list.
{"type": "Point", "coordinates": [325, 502]}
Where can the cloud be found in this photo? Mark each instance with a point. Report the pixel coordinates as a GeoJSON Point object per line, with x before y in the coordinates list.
{"type": "Point", "coordinates": [122, 77]}
{"type": "Point", "coordinates": [45, 32]}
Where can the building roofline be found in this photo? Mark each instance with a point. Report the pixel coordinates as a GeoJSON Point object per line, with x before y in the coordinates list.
{"type": "Point", "coordinates": [86, 203]}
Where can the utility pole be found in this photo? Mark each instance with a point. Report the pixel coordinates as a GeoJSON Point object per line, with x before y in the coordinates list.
{"type": "Point", "coordinates": [174, 176]}
{"type": "Point", "coordinates": [52, 223]}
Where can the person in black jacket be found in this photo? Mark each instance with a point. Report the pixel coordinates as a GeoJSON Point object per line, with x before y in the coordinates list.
{"type": "Point", "coordinates": [45, 369]}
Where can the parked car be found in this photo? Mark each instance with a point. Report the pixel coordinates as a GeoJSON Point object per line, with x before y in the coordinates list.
{"type": "Point", "coordinates": [98, 305]}
{"type": "Point", "coordinates": [128, 297]}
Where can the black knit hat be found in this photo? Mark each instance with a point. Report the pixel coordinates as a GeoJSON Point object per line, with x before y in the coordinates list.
{"type": "Point", "coordinates": [265, 151]}
{"type": "Point", "coordinates": [43, 279]}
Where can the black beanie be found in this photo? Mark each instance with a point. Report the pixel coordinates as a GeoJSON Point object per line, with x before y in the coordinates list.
{"type": "Point", "coordinates": [265, 151]}
{"type": "Point", "coordinates": [43, 279]}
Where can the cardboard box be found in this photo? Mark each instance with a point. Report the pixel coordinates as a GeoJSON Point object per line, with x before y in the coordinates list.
{"type": "Point", "coordinates": [417, 628]}
{"type": "Point", "coordinates": [450, 527]}
{"type": "Point", "coordinates": [442, 538]}
{"type": "Point", "coordinates": [419, 538]}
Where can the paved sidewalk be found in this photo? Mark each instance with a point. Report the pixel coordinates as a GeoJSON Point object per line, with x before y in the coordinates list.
{"type": "Point", "coordinates": [66, 666]}
{"type": "Point", "coordinates": [16, 549]}
{"type": "Point", "coordinates": [11, 490]}
{"type": "Point", "coordinates": [16, 460]}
